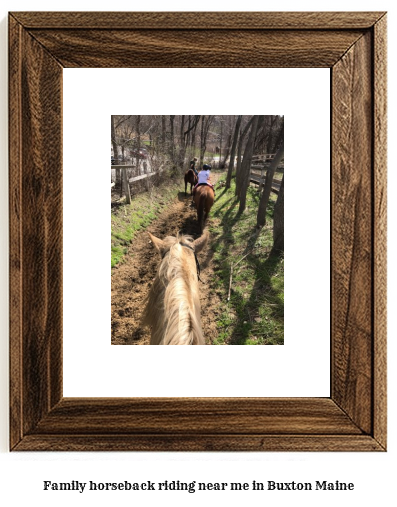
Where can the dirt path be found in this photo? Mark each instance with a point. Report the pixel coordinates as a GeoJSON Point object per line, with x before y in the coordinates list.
{"type": "Point", "coordinates": [132, 279]}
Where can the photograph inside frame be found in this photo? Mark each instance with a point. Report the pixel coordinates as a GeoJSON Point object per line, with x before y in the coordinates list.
{"type": "Point", "coordinates": [197, 229]}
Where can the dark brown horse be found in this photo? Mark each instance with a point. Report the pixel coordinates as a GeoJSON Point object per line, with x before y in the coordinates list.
{"type": "Point", "coordinates": [190, 177]}
{"type": "Point", "coordinates": [203, 199]}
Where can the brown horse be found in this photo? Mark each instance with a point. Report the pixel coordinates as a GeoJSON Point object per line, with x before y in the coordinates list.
{"type": "Point", "coordinates": [203, 199]}
{"type": "Point", "coordinates": [190, 177]}
{"type": "Point", "coordinates": [173, 304]}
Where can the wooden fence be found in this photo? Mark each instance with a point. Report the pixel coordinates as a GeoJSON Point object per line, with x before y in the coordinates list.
{"type": "Point", "coordinates": [126, 181]}
{"type": "Point", "coordinates": [259, 166]}
{"type": "Point", "coordinates": [259, 161]}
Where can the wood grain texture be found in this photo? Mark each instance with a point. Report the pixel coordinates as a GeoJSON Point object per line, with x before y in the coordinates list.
{"type": "Point", "coordinates": [353, 45]}
{"type": "Point", "coordinates": [195, 48]}
{"type": "Point", "coordinates": [15, 227]}
{"type": "Point", "coordinates": [199, 443]}
{"type": "Point", "coordinates": [380, 229]}
{"type": "Point", "coordinates": [352, 232]}
{"type": "Point", "coordinates": [200, 20]}
{"type": "Point", "coordinates": [195, 416]}
{"type": "Point", "coordinates": [36, 245]}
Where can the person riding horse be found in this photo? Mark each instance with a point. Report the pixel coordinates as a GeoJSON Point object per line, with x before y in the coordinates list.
{"type": "Point", "coordinates": [203, 196]}
{"type": "Point", "coordinates": [193, 165]}
{"type": "Point", "coordinates": [204, 178]}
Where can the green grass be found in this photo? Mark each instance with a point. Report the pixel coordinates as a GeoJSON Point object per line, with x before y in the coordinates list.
{"type": "Point", "coordinates": [255, 313]}
{"type": "Point", "coordinates": [128, 219]}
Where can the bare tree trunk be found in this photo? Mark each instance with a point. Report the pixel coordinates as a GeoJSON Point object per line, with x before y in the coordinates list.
{"type": "Point", "coordinates": [138, 140]}
{"type": "Point", "coordinates": [278, 221]}
{"type": "Point", "coordinates": [115, 152]}
{"type": "Point", "coordinates": [228, 137]}
{"type": "Point", "coordinates": [181, 154]}
{"type": "Point", "coordinates": [227, 151]}
{"type": "Point", "coordinates": [182, 148]}
{"type": "Point", "coordinates": [205, 126]}
{"type": "Point", "coordinates": [186, 136]}
{"type": "Point", "coordinates": [246, 164]}
{"type": "Point", "coordinates": [163, 131]}
{"type": "Point", "coordinates": [271, 134]}
{"type": "Point", "coordinates": [233, 152]}
{"type": "Point", "coordinates": [280, 136]}
{"type": "Point", "coordinates": [193, 143]}
{"type": "Point", "coordinates": [261, 217]}
{"type": "Point", "coordinates": [220, 146]}
{"type": "Point", "coordinates": [203, 141]}
{"type": "Point", "coordinates": [172, 146]}
{"type": "Point", "coordinates": [238, 167]}
{"type": "Point", "coordinates": [240, 148]}
{"type": "Point", "coordinates": [126, 186]}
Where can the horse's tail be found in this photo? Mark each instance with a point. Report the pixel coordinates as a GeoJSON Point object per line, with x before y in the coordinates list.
{"type": "Point", "coordinates": [201, 210]}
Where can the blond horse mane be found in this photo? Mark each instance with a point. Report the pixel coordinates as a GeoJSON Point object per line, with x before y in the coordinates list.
{"type": "Point", "coordinates": [173, 303]}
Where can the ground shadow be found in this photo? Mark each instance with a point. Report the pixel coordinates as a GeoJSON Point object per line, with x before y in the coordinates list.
{"type": "Point", "coordinates": [182, 197]}
{"type": "Point", "coordinates": [247, 306]}
{"type": "Point", "coordinates": [262, 292]}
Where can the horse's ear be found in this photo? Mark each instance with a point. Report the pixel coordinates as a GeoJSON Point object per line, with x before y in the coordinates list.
{"type": "Point", "coordinates": [200, 242]}
{"type": "Point", "coordinates": [158, 243]}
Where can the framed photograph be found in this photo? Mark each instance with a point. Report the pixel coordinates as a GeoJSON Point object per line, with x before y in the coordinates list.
{"type": "Point", "coordinates": [353, 46]}
{"type": "Point", "coordinates": [251, 316]}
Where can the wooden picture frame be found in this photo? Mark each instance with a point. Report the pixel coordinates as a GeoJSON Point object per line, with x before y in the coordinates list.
{"type": "Point", "coordinates": [353, 46]}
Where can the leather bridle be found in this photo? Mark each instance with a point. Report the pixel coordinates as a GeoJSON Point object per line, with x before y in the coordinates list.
{"type": "Point", "coordinates": [195, 257]}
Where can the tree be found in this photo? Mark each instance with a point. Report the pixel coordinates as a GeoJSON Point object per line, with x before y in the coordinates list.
{"type": "Point", "coordinates": [172, 145]}
{"type": "Point", "coordinates": [278, 221]}
{"type": "Point", "coordinates": [138, 141]}
{"type": "Point", "coordinates": [126, 185]}
{"type": "Point", "coordinates": [229, 122]}
{"type": "Point", "coordinates": [233, 152]}
{"type": "Point", "coordinates": [276, 128]}
{"type": "Point", "coordinates": [193, 137]}
{"type": "Point", "coordinates": [206, 122]}
{"type": "Point", "coordinates": [246, 163]}
{"type": "Point", "coordinates": [239, 151]}
{"type": "Point", "coordinates": [163, 132]}
{"type": "Point", "coordinates": [261, 216]}
{"type": "Point", "coordinates": [115, 150]}
{"type": "Point", "coordinates": [117, 122]}
{"type": "Point", "coordinates": [185, 136]}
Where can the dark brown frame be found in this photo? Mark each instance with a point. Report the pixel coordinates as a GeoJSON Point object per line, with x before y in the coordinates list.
{"type": "Point", "coordinates": [353, 45]}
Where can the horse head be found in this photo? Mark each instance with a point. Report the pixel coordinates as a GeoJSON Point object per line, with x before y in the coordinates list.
{"type": "Point", "coordinates": [173, 304]}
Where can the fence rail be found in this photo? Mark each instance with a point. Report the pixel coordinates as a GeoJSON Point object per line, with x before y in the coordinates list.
{"type": "Point", "coordinates": [260, 179]}
{"type": "Point", "coordinates": [126, 178]}
{"type": "Point", "coordinates": [259, 166]}
{"type": "Point", "coordinates": [264, 160]}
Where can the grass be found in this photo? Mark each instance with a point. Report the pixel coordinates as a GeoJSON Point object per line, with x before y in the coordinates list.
{"type": "Point", "coordinates": [128, 219]}
{"type": "Point", "coordinates": [255, 313]}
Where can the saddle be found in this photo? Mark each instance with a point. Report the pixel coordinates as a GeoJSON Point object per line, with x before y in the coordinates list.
{"type": "Point", "coordinates": [199, 184]}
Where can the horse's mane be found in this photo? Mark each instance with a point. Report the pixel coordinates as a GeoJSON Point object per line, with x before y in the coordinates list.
{"type": "Point", "coordinates": [173, 304]}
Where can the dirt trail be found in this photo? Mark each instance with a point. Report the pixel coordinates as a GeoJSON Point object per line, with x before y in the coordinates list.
{"type": "Point", "coordinates": [132, 279]}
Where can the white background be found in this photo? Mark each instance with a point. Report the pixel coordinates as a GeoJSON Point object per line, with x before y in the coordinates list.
{"type": "Point", "coordinates": [21, 475]}
{"type": "Point", "coordinates": [245, 371]}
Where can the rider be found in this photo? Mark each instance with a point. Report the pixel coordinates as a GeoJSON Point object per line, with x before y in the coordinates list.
{"type": "Point", "coordinates": [193, 165]}
{"type": "Point", "coordinates": [204, 178]}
